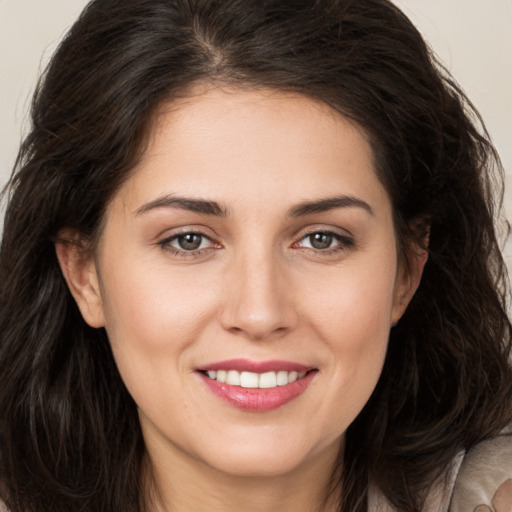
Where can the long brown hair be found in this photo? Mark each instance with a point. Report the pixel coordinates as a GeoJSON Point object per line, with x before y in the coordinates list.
{"type": "Point", "coordinates": [69, 433]}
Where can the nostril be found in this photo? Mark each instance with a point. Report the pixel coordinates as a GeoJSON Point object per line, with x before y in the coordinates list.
{"type": "Point", "coordinates": [257, 303]}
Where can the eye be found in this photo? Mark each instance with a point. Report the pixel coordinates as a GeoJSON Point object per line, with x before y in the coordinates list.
{"type": "Point", "coordinates": [187, 242]}
{"type": "Point", "coordinates": [190, 241]}
{"type": "Point", "coordinates": [320, 240]}
{"type": "Point", "coordinates": [325, 241]}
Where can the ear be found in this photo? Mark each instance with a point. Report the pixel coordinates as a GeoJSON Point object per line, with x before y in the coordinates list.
{"type": "Point", "coordinates": [410, 270]}
{"type": "Point", "coordinates": [81, 277]}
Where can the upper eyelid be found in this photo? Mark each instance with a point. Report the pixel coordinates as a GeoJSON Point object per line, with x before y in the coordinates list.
{"type": "Point", "coordinates": [340, 232]}
{"type": "Point", "coordinates": [166, 244]}
{"type": "Point", "coordinates": [174, 236]}
{"type": "Point", "coordinates": [185, 230]}
{"type": "Point", "coordinates": [335, 235]}
{"type": "Point", "coordinates": [345, 240]}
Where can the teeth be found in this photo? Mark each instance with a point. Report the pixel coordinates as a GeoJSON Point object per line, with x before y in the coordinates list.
{"type": "Point", "coordinates": [249, 380]}
{"type": "Point", "coordinates": [255, 380]}
{"type": "Point", "coordinates": [233, 378]}
{"type": "Point", "coordinates": [268, 380]}
{"type": "Point", "coordinates": [282, 378]}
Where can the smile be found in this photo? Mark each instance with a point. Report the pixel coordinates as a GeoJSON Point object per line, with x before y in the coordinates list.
{"type": "Point", "coordinates": [257, 386]}
{"type": "Point", "coordinates": [254, 380]}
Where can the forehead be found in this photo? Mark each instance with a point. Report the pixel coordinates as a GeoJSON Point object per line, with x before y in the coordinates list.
{"type": "Point", "coordinates": [226, 144]}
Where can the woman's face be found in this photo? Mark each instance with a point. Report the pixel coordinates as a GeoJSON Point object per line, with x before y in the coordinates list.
{"type": "Point", "coordinates": [255, 242]}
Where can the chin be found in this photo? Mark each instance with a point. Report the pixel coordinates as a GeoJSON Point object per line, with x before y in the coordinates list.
{"type": "Point", "coordinates": [266, 456]}
{"type": "Point", "coordinates": [262, 465]}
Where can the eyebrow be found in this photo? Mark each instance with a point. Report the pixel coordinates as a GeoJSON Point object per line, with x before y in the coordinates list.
{"type": "Point", "coordinates": [207, 207]}
{"type": "Point", "coordinates": [330, 203]}
{"type": "Point", "coordinates": [184, 203]}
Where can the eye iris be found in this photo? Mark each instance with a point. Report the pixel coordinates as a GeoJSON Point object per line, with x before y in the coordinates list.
{"type": "Point", "coordinates": [320, 240]}
{"type": "Point", "coordinates": [190, 241]}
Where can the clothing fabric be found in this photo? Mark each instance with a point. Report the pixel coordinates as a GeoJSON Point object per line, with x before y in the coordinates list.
{"type": "Point", "coordinates": [484, 483]}
{"type": "Point", "coordinates": [477, 481]}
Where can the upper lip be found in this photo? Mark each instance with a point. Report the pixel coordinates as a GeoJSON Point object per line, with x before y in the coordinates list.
{"type": "Point", "coordinates": [247, 365]}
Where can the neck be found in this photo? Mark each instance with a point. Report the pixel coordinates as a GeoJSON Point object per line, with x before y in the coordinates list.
{"type": "Point", "coordinates": [183, 484]}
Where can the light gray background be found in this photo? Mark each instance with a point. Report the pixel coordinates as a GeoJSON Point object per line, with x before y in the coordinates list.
{"type": "Point", "coordinates": [472, 37]}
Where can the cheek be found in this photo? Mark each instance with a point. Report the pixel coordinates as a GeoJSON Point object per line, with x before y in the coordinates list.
{"type": "Point", "coordinates": [352, 317]}
{"type": "Point", "coordinates": [150, 308]}
{"type": "Point", "coordinates": [352, 305]}
{"type": "Point", "coordinates": [364, 318]}
{"type": "Point", "coordinates": [153, 320]}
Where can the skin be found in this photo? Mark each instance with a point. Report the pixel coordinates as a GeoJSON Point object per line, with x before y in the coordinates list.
{"type": "Point", "coordinates": [257, 288]}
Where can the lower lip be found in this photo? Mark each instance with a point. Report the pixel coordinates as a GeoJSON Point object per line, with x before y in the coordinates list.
{"type": "Point", "coordinates": [258, 399]}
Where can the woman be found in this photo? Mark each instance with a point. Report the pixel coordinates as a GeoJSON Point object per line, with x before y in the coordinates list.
{"type": "Point", "coordinates": [249, 263]}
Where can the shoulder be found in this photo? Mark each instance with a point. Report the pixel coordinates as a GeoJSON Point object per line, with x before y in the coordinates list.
{"type": "Point", "coordinates": [484, 482]}
{"type": "Point", "coordinates": [477, 481]}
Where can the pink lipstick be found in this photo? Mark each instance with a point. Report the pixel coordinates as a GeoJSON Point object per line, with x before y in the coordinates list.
{"type": "Point", "coordinates": [257, 386]}
{"type": "Point", "coordinates": [246, 365]}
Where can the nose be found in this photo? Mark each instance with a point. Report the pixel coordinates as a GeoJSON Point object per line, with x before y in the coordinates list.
{"type": "Point", "coordinates": [258, 299]}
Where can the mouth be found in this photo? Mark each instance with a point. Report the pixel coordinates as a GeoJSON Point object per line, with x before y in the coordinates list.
{"type": "Point", "coordinates": [253, 380]}
{"type": "Point", "coordinates": [257, 386]}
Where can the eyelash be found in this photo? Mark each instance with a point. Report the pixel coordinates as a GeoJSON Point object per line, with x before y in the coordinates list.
{"type": "Point", "coordinates": [183, 253]}
{"type": "Point", "coordinates": [343, 243]}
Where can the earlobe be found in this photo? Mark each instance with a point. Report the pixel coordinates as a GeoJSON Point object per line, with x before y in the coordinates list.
{"type": "Point", "coordinates": [81, 277]}
{"type": "Point", "coordinates": [408, 281]}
